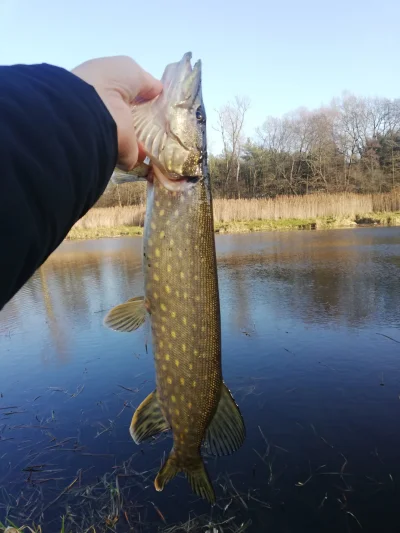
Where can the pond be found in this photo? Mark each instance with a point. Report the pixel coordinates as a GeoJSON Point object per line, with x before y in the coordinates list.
{"type": "Point", "coordinates": [311, 353]}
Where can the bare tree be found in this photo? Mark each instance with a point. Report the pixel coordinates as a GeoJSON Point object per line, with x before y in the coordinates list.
{"type": "Point", "coordinates": [231, 119]}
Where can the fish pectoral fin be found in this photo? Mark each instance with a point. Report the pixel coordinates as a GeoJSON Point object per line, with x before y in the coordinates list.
{"type": "Point", "coordinates": [226, 432]}
{"type": "Point", "coordinates": [195, 472]}
{"type": "Point", "coordinates": [127, 316]}
{"type": "Point", "coordinates": [148, 419]}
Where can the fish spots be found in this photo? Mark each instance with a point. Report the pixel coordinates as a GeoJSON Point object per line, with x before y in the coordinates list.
{"type": "Point", "coordinates": [167, 357]}
{"type": "Point", "coordinates": [171, 242]}
{"type": "Point", "coordinates": [184, 320]}
{"type": "Point", "coordinates": [162, 234]}
{"type": "Point", "coordinates": [173, 398]}
{"type": "Point", "coordinates": [197, 298]}
{"type": "Point", "coordinates": [153, 226]}
{"type": "Point", "coordinates": [163, 307]}
{"type": "Point", "coordinates": [196, 352]}
{"type": "Point", "coordinates": [194, 326]}
{"type": "Point", "coordinates": [157, 252]}
{"type": "Point", "coordinates": [155, 295]}
{"type": "Point", "coordinates": [164, 367]}
{"type": "Point", "coordinates": [190, 366]}
{"type": "Point", "coordinates": [162, 213]}
{"type": "Point", "coordinates": [182, 381]}
{"type": "Point", "coordinates": [190, 405]}
{"type": "Point", "coordinates": [177, 412]}
{"type": "Point", "coordinates": [161, 344]}
{"type": "Point", "coordinates": [176, 362]}
{"type": "Point", "coordinates": [177, 294]}
{"type": "Point", "coordinates": [169, 381]}
{"type": "Point", "coordinates": [183, 347]}
{"type": "Point", "coordinates": [156, 277]}
{"type": "Point", "coordinates": [173, 314]}
{"type": "Point", "coordinates": [164, 318]}
{"type": "Point", "coordinates": [203, 329]}
{"type": "Point", "coordinates": [186, 430]}
{"type": "Point", "coordinates": [167, 289]}
{"type": "Point", "coordinates": [169, 268]}
{"type": "Point", "coordinates": [196, 278]}
{"type": "Point", "coordinates": [182, 275]}
{"type": "Point", "coordinates": [194, 384]}
{"type": "Point", "coordinates": [163, 328]}
{"type": "Point", "coordinates": [185, 295]}
{"type": "Point", "coordinates": [173, 334]}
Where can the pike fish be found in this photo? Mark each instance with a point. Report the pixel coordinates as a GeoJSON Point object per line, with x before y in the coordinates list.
{"type": "Point", "coordinates": [181, 296]}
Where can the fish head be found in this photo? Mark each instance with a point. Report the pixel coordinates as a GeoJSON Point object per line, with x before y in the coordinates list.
{"type": "Point", "coordinates": [172, 127]}
{"type": "Point", "coordinates": [186, 118]}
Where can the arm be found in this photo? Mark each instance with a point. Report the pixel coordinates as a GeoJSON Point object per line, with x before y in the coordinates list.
{"type": "Point", "coordinates": [58, 148]}
{"type": "Point", "coordinates": [61, 136]}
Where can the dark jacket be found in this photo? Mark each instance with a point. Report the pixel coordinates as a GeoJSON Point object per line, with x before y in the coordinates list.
{"type": "Point", "coordinates": [58, 149]}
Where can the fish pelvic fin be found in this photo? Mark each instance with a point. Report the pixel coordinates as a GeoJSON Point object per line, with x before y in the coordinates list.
{"type": "Point", "coordinates": [128, 316]}
{"type": "Point", "coordinates": [226, 432]}
{"type": "Point", "coordinates": [148, 419]}
{"type": "Point", "coordinates": [194, 471]}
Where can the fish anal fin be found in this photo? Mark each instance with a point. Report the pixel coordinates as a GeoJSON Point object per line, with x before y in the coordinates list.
{"type": "Point", "coordinates": [226, 431]}
{"type": "Point", "coordinates": [194, 471]}
{"type": "Point", "coordinates": [148, 419]}
{"type": "Point", "coordinates": [128, 316]}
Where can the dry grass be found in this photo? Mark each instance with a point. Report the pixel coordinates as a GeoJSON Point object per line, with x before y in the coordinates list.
{"type": "Point", "coordinates": [292, 207]}
{"type": "Point", "coordinates": [112, 217]}
{"type": "Point", "coordinates": [283, 212]}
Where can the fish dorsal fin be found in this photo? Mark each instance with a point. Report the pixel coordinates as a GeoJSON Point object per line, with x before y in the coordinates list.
{"type": "Point", "coordinates": [127, 316]}
{"type": "Point", "coordinates": [226, 432]}
{"type": "Point", "coordinates": [148, 419]}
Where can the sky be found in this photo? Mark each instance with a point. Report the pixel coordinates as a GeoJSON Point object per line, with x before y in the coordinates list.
{"type": "Point", "coordinates": [282, 55]}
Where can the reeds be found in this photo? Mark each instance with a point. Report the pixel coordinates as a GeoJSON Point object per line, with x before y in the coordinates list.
{"type": "Point", "coordinates": [311, 206]}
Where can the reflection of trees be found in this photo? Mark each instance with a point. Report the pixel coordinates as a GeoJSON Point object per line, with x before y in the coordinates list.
{"type": "Point", "coordinates": [70, 287]}
{"type": "Point", "coordinates": [57, 333]}
{"type": "Point", "coordinates": [334, 283]}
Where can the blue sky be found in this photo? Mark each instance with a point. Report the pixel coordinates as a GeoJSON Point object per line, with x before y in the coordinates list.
{"type": "Point", "coordinates": [281, 54]}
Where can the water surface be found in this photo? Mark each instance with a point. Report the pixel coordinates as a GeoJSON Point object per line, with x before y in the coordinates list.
{"type": "Point", "coordinates": [311, 346]}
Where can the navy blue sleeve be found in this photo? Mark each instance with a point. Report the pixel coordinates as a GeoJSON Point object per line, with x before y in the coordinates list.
{"type": "Point", "coordinates": [58, 149]}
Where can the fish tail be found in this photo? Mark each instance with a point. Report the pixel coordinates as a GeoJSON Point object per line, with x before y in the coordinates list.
{"type": "Point", "coordinates": [195, 472]}
{"type": "Point", "coordinates": [168, 471]}
{"type": "Point", "coordinates": [200, 481]}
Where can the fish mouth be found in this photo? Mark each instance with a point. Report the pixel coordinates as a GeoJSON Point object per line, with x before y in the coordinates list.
{"type": "Point", "coordinates": [180, 184]}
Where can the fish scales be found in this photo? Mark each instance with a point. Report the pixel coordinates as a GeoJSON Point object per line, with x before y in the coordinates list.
{"type": "Point", "coordinates": [182, 293]}
{"type": "Point", "coordinates": [181, 296]}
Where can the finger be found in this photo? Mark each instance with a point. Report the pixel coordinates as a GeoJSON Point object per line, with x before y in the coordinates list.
{"type": "Point", "coordinates": [128, 149]}
{"type": "Point", "coordinates": [150, 87]}
{"type": "Point", "coordinates": [141, 153]}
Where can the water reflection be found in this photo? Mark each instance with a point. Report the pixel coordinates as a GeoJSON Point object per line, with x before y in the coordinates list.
{"type": "Point", "coordinates": [307, 322]}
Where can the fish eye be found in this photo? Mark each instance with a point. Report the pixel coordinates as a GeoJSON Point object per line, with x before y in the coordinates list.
{"type": "Point", "coordinates": [199, 115]}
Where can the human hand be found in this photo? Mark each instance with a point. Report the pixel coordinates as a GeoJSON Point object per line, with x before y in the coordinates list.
{"type": "Point", "coordinates": [121, 82]}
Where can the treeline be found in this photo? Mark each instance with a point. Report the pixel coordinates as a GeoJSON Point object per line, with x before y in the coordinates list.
{"type": "Point", "coordinates": [352, 145]}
